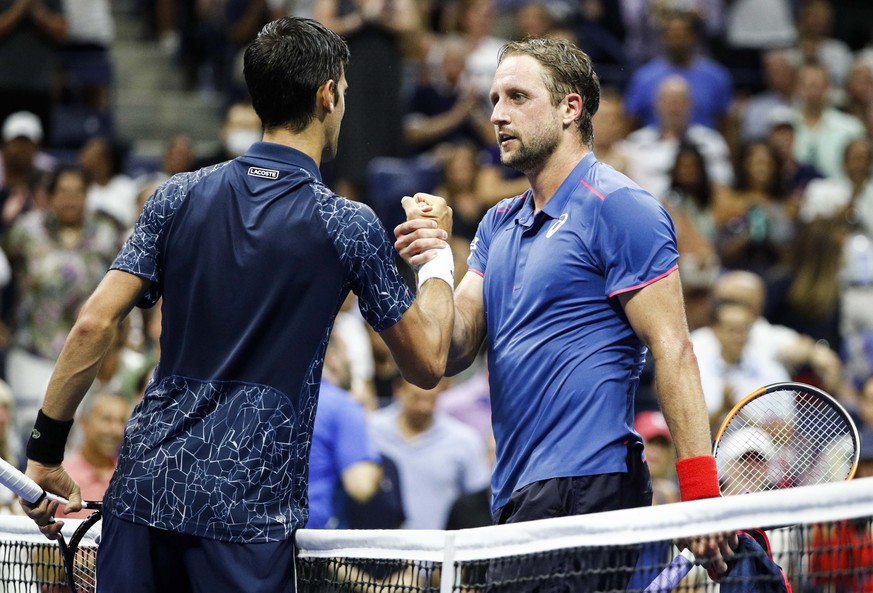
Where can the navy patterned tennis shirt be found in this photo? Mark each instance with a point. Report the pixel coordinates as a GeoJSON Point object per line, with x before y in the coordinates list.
{"type": "Point", "coordinates": [253, 259]}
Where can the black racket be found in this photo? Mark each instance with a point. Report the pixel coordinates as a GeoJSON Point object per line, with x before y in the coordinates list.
{"type": "Point", "coordinates": [79, 554]}
{"type": "Point", "coordinates": [784, 435]}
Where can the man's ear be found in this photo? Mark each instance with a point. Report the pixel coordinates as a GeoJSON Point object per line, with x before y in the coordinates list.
{"type": "Point", "coordinates": [327, 96]}
{"type": "Point", "coordinates": [573, 105]}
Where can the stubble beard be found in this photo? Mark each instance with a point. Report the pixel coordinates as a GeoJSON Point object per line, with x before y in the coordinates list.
{"type": "Point", "coordinates": [533, 154]}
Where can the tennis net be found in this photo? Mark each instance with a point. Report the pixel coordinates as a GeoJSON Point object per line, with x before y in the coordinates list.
{"type": "Point", "coordinates": [820, 536]}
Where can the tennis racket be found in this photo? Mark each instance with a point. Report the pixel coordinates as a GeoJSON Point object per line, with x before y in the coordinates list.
{"type": "Point", "coordinates": [783, 435]}
{"type": "Point", "coordinates": [79, 561]}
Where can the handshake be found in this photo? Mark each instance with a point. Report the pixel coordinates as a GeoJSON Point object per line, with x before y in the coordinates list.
{"type": "Point", "coordinates": [425, 234]}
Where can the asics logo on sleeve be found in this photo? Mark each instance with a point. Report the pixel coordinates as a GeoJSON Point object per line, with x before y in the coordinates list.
{"type": "Point", "coordinates": [556, 225]}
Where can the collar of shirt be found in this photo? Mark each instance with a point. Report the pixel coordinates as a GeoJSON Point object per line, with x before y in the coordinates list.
{"type": "Point", "coordinates": [557, 204]}
{"type": "Point", "coordinates": [283, 155]}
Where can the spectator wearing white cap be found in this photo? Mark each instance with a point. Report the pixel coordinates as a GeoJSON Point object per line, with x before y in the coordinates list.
{"type": "Point", "coordinates": [21, 164]}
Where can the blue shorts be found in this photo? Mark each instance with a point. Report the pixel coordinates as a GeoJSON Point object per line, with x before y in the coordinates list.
{"type": "Point", "coordinates": [139, 559]}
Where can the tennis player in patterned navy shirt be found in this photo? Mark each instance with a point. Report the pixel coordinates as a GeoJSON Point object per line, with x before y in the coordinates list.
{"type": "Point", "coordinates": [572, 283]}
{"type": "Point", "coordinates": [252, 259]}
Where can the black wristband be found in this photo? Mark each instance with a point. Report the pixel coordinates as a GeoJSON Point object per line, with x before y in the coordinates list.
{"type": "Point", "coordinates": [48, 439]}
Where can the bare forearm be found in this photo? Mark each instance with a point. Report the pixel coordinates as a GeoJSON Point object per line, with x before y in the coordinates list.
{"type": "Point", "coordinates": [465, 345]}
{"type": "Point", "coordinates": [77, 367]}
{"type": "Point", "coordinates": [677, 381]}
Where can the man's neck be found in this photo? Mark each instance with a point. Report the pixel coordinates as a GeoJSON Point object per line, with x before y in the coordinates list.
{"type": "Point", "coordinates": [310, 141]}
{"type": "Point", "coordinates": [546, 181]}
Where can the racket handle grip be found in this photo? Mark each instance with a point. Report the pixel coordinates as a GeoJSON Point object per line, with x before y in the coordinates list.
{"type": "Point", "coordinates": [21, 485]}
{"type": "Point", "coordinates": [672, 574]}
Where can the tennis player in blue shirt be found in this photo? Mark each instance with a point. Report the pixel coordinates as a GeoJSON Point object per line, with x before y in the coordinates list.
{"type": "Point", "coordinates": [252, 259]}
{"type": "Point", "coordinates": [570, 285]}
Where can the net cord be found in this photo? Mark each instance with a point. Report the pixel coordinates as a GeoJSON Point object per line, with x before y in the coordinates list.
{"type": "Point", "coordinates": [811, 504]}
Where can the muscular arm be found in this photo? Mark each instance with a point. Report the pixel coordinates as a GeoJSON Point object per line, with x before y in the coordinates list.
{"type": "Point", "coordinates": [656, 313]}
{"type": "Point", "coordinates": [469, 330]}
{"type": "Point", "coordinates": [419, 342]}
{"type": "Point", "coordinates": [83, 352]}
{"type": "Point", "coordinates": [89, 340]}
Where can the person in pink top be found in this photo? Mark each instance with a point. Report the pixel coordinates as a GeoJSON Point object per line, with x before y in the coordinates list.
{"type": "Point", "coordinates": [91, 464]}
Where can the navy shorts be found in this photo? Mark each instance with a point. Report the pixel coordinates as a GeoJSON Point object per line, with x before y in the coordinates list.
{"type": "Point", "coordinates": [578, 570]}
{"type": "Point", "coordinates": [139, 559]}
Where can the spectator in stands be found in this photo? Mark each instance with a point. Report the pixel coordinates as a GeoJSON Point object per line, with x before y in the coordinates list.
{"type": "Point", "coordinates": [84, 56]}
{"type": "Point", "coordinates": [58, 256]}
{"type": "Point", "coordinates": [241, 129]}
{"type": "Point", "coordinates": [798, 353]}
{"type": "Point", "coordinates": [373, 126]}
{"type": "Point", "coordinates": [473, 509]}
{"type": "Point", "coordinates": [179, 156]}
{"type": "Point", "coordinates": [689, 201]}
{"type": "Point", "coordinates": [729, 369]}
{"type": "Point", "coordinates": [110, 191]}
{"type": "Point", "coordinates": [848, 197]}
{"type": "Point", "coordinates": [755, 222]}
{"type": "Point", "coordinates": [815, 43]}
{"type": "Point", "coordinates": [858, 100]}
{"type": "Point", "coordinates": [343, 454]}
{"type": "Point", "coordinates": [610, 130]}
{"type": "Point", "coordinates": [22, 165]}
{"type": "Point", "coordinates": [660, 455]}
{"type": "Point", "coordinates": [782, 123]}
{"type": "Point", "coordinates": [822, 131]}
{"type": "Point", "coordinates": [477, 19]}
{"type": "Point", "coordinates": [444, 107]}
{"type": "Point", "coordinates": [469, 400]}
{"type": "Point", "coordinates": [753, 27]}
{"type": "Point", "coordinates": [460, 187]}
{"type": "Point", "coordinates": [652, 149]}
{"type": "Point", "coordinates": [780, 75]}
{"type": "Point", "coordinates": [100, 422]}
{"type": "Point", "coordinates": [804, 294]}
{"type": "Point", "coordinates": [10, 445]}
{"type": "Point", "coordinates": [438, 457]}
{"type": "Point", "coordinates": [710, 85]}
{"type": "Point", "coordinates": [30, 31]}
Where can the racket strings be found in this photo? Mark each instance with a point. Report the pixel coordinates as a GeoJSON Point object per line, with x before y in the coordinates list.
{"type": "Point", "coordinates": [786, 439]}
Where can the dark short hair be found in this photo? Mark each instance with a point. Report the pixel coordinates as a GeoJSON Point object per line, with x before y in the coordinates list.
{"type": "Point", "coordinates": [55, 177]}
{"type": "Point", "coordinates": [569, 70]}
{"type": "Point", "coordinates": [284, 66]}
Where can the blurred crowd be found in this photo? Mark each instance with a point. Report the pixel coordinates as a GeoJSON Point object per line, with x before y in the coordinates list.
{"type": "Point", "coordinates": [750, 120]}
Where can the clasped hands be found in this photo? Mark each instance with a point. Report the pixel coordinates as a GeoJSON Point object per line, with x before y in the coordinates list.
{"type": "Point", "coordinates": [427, 228]}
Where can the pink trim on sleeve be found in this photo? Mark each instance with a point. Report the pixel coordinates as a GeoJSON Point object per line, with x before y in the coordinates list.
{"type": "Point", "coordinates": [592, 190]}
{"type": "Point", "coordinates": [477, 272]}
{"type": "Point", "coordinates": [646, 283]}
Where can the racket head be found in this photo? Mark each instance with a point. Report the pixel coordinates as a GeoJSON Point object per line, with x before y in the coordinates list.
{"type": "Point", "coordinates": [80, 553]}
{"type": "Point", "coordinates": [785, 435]}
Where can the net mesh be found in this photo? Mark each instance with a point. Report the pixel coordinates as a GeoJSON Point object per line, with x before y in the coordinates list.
{"type": "Point", "coordinates": [820, 536]}
{"type": "Point", "coordinates": [31, 563]}
{"type": "Point", "coordinates": [784, 439]}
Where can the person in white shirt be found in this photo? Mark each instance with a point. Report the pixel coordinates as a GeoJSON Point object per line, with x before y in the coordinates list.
{"type": "Point", "coordinates": [729, 368]}
{"type": "Point", "coordinates": [651, 150]}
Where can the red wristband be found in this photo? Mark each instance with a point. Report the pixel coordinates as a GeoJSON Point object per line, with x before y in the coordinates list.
{"type": "Point", "coordinates": [698, 477]}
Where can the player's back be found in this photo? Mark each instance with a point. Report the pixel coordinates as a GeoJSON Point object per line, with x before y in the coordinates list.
{"type": "Point", "coordinates": [251, 276]}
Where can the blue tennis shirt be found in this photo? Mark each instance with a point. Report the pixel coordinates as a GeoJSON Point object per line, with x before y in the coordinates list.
{"type": "Point", "coordinates": [253, 259]}
{"type": "Point", "coordinates": [564, 361]}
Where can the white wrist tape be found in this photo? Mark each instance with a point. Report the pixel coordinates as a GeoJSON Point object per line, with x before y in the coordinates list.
{"type": "Point", "coordinates": [442, 267]}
